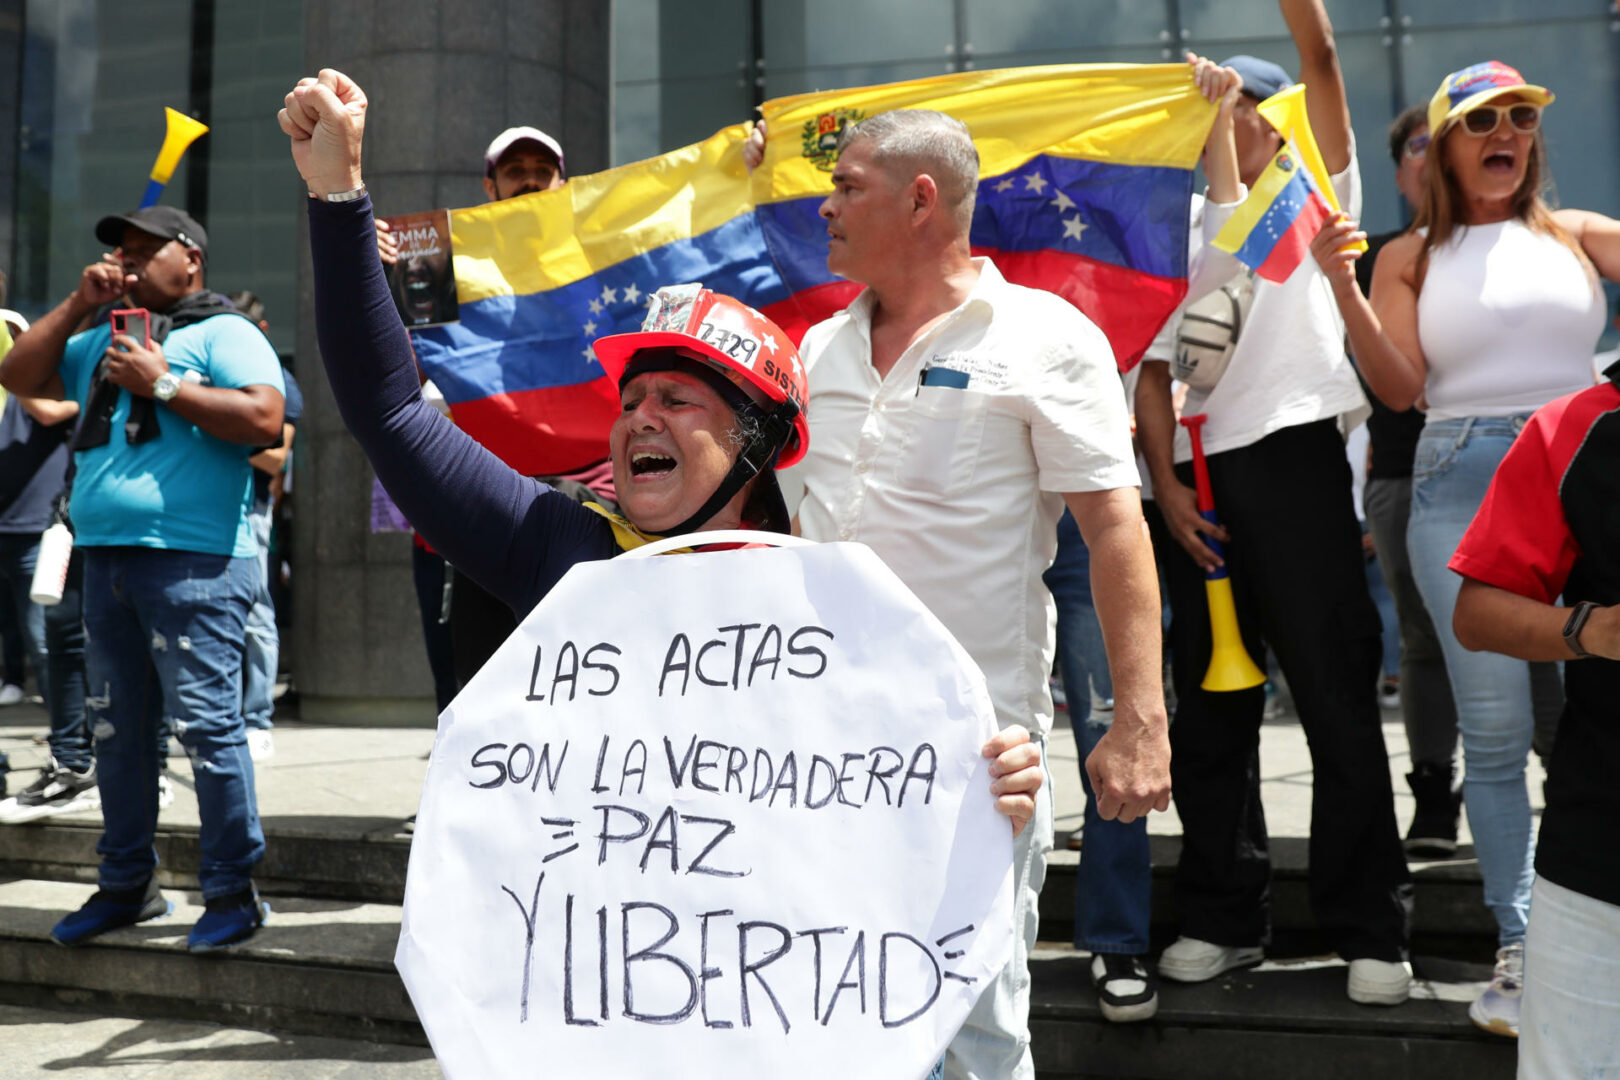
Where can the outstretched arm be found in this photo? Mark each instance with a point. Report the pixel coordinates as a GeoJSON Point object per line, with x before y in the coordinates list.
{"type": "Point", "coordinates": [495, 525]}
{"type": "Point", "coordinates": [1325, 100]}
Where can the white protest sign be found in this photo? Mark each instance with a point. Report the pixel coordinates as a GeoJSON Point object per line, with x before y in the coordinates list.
{"type": "Point", "coordinates": [718, 814]}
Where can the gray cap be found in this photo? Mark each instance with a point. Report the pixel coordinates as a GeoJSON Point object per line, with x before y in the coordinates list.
{"type": "Point", "coordinates": [1261, 78]}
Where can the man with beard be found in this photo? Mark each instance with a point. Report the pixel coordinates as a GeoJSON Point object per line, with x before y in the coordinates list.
{"type": "Point", "coordinates": [160, 501]}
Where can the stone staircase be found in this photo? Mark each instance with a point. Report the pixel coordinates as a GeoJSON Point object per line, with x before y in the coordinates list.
{"type": "Point", "coordinates": [334, 876]}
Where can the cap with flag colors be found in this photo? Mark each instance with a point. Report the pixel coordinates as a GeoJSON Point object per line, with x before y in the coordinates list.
{"type": "Point", "coordinates": [1474, 86]}
{"type": "Point", "coordinates": [1086, 172]}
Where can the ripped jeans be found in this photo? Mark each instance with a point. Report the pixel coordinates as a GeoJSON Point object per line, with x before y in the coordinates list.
{"type": "Point", "coordinates": [165, 632]}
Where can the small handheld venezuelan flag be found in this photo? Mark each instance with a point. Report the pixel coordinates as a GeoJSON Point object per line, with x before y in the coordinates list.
{"type": "Point", "coordinates": [1271, 232]}
{"type": "Point", "coordinates": [182, 131]}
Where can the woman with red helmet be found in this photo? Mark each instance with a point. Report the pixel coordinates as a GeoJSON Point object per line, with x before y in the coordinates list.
{"type": "Point", "coordinates": [712, 394]}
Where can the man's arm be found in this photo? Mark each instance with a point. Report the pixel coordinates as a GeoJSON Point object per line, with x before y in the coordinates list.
{"type": "Point", "coordinates": [248, 415]}
{"type": "Point", "coordinates": [1504, 622]}
{"type": "Point", "coordinates": [1325, 100]}
{"type": "Point", "coordinates": [1156, 436]}
{"type": "Point", "coordinates": [47, 412]}
{"type": "Point", "coordinates": [274, 460]}
{"type": "Point", "coordinates": [30, 368]}
{"type": "Point", "coordinates": [1130, 768]}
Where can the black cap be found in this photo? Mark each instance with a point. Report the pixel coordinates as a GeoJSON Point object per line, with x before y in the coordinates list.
{"type": "Point", "coordinates": [165, 221]}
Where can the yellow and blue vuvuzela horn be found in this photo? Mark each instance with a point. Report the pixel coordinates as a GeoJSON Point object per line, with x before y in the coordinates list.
{"type": "Point", "coordinates": [1230, 667]}
{"type": "Point", "coordinates": [182, 132]}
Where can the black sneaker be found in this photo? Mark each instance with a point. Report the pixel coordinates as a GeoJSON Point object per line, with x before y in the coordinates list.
{"type": "Point", "coordinates": [110, 909]}
{"type": "Point", "coordinates": [1433, 833]}
{"type": "Point", "coordinates": [227, 920]}
{"type": "Point", "coordinates": [1126, 990]}
{"type": "Point", "coordinates": [56, 790]}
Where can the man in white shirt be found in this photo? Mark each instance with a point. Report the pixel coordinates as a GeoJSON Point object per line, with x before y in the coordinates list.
{"type": "Point", "coordinates": [1282, 491]}
{"type": "Point", "coordinates": [953, 416]}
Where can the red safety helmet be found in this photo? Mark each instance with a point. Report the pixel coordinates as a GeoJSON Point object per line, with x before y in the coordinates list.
{"type": "Point", "coordinates": [747, 349]}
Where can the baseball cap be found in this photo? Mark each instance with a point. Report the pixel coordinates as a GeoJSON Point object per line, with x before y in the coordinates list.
{"type": "Point", "coordinates": [165, 221]}
{"type": "Point", "coordinates": [1261, 78]}
{"type": "Point", "coordinates": [1475, 85]}
{"type": "Point", "coordinates": [514, 135]}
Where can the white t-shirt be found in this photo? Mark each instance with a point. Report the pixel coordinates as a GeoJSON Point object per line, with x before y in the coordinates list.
{"type": "Point", "coordinates": [1289, 367]}
{"type": "Point", "coordinates": [1508, 318]}
{"type": "Point", "coordinates": [950, 468]}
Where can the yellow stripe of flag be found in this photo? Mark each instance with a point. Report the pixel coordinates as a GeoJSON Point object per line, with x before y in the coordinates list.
{"type": "Point", "coordinates": [538, 242]}
{"type": "Point", "coordinates": [1126, 114]}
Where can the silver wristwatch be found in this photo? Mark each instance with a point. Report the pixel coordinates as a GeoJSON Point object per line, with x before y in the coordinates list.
{"type": "Point", "coordinates": [166, 386]}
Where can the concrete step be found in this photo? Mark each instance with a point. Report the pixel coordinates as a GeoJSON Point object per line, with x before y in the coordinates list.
{"type": "Point", "coordinates": [1449, 911]}
{"type": "Point", "coordinates": [325, 967]}
{"type": "Point", "coordinates": [1280, 1021]}
{"type": "Point", "coordinates": [318, 967]}
{"type": "Point", "coordinates": [364, 859]}
{"type": "Point", "coordinates": [337, 858]}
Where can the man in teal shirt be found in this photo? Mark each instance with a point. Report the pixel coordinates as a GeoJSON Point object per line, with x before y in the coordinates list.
{"type": "Point", "coordinates": [159, 507]}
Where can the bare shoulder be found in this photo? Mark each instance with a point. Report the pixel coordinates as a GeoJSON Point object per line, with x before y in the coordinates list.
{"type": "Point", "coordinates": [1398, 258]}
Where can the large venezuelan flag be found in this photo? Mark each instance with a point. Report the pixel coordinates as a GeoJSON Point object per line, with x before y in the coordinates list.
{"type": "Point", "coordinates": [1086, 174]}
{"type": "Point", "coordinates": [540, 277]}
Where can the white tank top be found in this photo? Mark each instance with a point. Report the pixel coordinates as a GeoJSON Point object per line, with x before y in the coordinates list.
{"type": "Point", "coordinates": [1508, 320]}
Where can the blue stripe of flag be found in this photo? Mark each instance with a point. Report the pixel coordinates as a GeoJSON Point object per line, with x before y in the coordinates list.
{"type": "Point", "coordinates": [508, 344]}
{"type": "Point", "coordinates": [1132, 216]}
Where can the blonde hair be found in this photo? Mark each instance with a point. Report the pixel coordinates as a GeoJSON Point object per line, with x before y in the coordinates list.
{"type": "Point", "coordinates": [1443, 197]}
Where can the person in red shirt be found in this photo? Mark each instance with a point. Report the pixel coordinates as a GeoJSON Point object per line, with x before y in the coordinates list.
{"type": "Point", "coordinates": [1550, 527]}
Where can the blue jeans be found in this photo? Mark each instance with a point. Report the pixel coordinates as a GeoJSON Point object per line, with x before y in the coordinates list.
{"type": "Point", "coordinates": [64, 672]}
{"type": "Point", "coordinates": [1113, 896]}
{"type": "Point", "coordinates": [263, 640]}
{"type": "Point", "coordinates": [165, 632]}
{"type": "Point", "coordinates": [1450, 475]}
{"type": "Point", "coordinates": [17, 554]}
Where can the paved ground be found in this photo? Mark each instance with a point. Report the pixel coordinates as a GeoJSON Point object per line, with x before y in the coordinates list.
{"type": "Point", "coordinates": [35, 1043]}
{"type": "Point", "coordinates": [366, 781]}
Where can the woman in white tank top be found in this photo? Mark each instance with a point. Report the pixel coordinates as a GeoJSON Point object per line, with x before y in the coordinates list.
{"type": "Point", "coordinates": [1489, 309]}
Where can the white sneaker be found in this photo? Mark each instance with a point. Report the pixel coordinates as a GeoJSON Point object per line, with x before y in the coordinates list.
{"type": "Point", "coordinates": [1497, 1009]}
{"type": "Point", "coordinates": [261, 745]}
{"type": "Point", "coordinates": [1379, 982]}
{"type": "Point", "coordinates": [165, 790]}
{"type": "Point", "coordinates": [10, 694]}
{"type": "Point", "coordinates": [1191, 960]}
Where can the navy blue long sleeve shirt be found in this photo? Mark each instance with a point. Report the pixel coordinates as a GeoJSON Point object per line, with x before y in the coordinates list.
{"type": "Point", "coordinates": [513, 535]}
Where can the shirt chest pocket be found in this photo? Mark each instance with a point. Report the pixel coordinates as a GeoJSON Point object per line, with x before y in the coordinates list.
{"type": "Point", "coordinates": [943, 443]}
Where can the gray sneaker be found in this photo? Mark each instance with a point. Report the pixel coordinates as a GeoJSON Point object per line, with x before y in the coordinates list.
{"type": "Point", "coordinates": [57, 790]}
{"type": "Point", "coordinates": [1497, 1009]}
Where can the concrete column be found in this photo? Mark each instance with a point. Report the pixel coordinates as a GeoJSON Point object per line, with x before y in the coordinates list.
{"type": "Point", "coordinates": [443, 79]}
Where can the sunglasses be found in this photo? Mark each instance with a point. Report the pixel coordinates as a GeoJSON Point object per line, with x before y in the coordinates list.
{"type": "Point", "coordinates": [1484, 119]}
{"type": "Point", "coordinates": [1416, 146]}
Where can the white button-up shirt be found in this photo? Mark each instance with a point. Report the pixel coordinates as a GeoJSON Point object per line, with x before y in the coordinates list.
{"type": "Point", "coordinates": [950, 468]}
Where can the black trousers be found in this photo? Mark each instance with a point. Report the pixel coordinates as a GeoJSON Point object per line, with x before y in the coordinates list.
{"type": "Point", "coordinates": [1301, 590]}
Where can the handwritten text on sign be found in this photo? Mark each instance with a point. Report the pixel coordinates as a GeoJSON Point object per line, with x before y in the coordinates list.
{"type": "Point", "coordinates": [705, 812]}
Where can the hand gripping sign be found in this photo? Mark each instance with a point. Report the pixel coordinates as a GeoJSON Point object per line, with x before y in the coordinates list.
{"type": "Point", "coordinates": [721, 814]}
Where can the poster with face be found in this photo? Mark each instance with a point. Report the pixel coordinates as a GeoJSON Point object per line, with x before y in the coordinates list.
{"type": "Point", "coordinates": [423, 280]}
{"type": "Point", "coordinates": [711, 814]}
